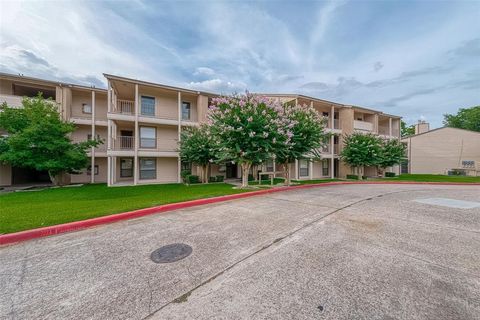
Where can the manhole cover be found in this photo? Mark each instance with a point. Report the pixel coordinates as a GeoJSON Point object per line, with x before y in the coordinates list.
{"type": "Point", "coordinates": [171, 253]}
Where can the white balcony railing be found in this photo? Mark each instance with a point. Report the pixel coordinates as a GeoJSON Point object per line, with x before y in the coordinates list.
{"type": "Point", "coordinates": [336, 124]}
{"type": "Point", "coordinates": [124, 143]}
{"type": "Point", "coordinates": [362, 125]}
{"type": "Point", "coordinates": [124, 106]}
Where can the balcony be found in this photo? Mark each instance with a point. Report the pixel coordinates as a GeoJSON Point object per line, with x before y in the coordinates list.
{"type": "Point", "coordinates": [385, 131]}
{"type": "Point", "coordinates": [124, 107]}
{"type": "Point", "coordinates": [362, 125]}
{"type": "Point", "coordinates": [123, 143]}
{"type": "Point", "coordinates": [16, 101]}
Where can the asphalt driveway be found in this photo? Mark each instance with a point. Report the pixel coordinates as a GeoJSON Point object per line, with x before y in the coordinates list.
{"type": "Point", "coordinates": [336, 252]}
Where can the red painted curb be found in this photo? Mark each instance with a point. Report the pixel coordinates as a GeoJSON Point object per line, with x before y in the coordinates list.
{"type": "Point", "coordinates": [78, 225]}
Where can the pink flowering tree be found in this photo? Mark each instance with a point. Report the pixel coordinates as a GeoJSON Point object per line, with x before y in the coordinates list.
{"type": "Point", "coordinates": [246, 129]}
{"type": "Point", "coordinates": [302, 135]}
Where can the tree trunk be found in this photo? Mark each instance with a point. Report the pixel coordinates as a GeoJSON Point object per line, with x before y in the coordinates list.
{"type": "Point", "coordinates": [204, 173]}
{"type": "Point", "coordinates": [57, 179]}
{"type": "Point", "coordinates": [245, 170]}
{"type": "Point", "coordinates": [287, 174]}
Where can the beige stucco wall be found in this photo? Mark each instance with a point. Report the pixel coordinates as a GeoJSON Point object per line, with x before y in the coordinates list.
{"type": "Point", "coordinates": [166, 170]}
{"type": "Point", "coordinates": [167, 137]}
{"type": "Point", "coordinates": [6, 86]}
{"type": "Point", "coordinates": [100, 177]}
{"type": "Point", "coordinates": [101, 106]}
{"type": "Point", "coordinates": [202, 108]}
{"type": "Point", "coordinates": [437, 151]}
{"type": "Point", "coordinates": [166, 102]}
{"type": "Point", "coordinates": [80, 97]}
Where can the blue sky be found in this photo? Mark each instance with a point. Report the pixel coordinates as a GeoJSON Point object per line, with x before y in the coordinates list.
{"type": "Point", "coordinates": [414, 59]}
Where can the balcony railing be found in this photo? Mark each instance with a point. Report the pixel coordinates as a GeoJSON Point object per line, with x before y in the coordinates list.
{"type": "Point", "coordinates": [362, 125]}
{"type": "Point", "coordinates": [124, 143]}
{"type": "Point", "coordinates": [336, 124]}
{"type": "Point", "coordinates": [124, 106]}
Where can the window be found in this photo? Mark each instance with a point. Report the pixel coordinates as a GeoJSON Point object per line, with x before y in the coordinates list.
{"type": "Point", "coordinates": [86, 108]}
{"type": "Point", "coordinates": [89, 137]}
{"type": "Point", "coordinates": [325, 114]}
{"type": "Point", "coordinates": [148, 106]}
{"type": "Point", "coordinates": [269, 166]}
{"type": "Point", "coordinates": [148, 137]}
{"type": "Point", "coordinates": [185, 110]}
{"type": "Point", "coordinates": [89, 170]}
{"type": "Point", "coordinates": [126, 167]}
{"type": "Point", "coordinates": [325, 167]}
{"type": "Point", "coordinates": [303, 168]}
{"type": "Point", "coordinates": [148, 168]}
{"type": "Point", "coordinates": [468, 164]}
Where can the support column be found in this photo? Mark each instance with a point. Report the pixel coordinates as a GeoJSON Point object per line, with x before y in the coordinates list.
{"type": "Point", "coordinates": [332, 146]}
{"type": "Point", "coordinates": [179, 165]}
{"type": "Point", "coordinates": [310, 169]}
{"type": "Point", "coordinates": [296, 169]}
{"type": "Point", "coordinates": [332, 117]}
{"type": "Point", "coordinates": [390, 128]}
{"type": "Point", "coordinates": [109, 171]}
{"type": "Point", "coordinates": [92, 153]}
{"type": "Point", "coordinates": [109, 134]}
{"type": "Point", "coordinates": [274, 168]}
{"type": "Point", "coordinates": [137, 138]}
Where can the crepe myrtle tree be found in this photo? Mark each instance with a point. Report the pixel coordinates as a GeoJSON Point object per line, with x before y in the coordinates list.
{"type": "Point", "coordinates": [197, 146]}
{"type": "Point", "coordinates": [246, 129]}
{"type": "Point", "coordinates": [361, 150]}
{"type": "Point", "coordinates": [302, 135]}
{"type": "Point", "coordinates": [393, 151]}
{"type": "Point", "coordinates": [38, 138]}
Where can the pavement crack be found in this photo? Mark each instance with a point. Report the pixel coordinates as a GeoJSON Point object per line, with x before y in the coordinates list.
{"type": "Point", "coordinates": [184, 297]}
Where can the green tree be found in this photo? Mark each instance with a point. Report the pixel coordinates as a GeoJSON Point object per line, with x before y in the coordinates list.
{"type": "Point", "coordinates": [198, 147]}
{"type": "Point", "coordinates": [392, 153]}
{"type": "Point", "coordinates": [361, 150]}
{"type": "Point", "coordinates": [406, 130]}
{"type": "Point", "coordinates": [246, 128]}
{"type": "Point", "coordinates": [466, 118]}
{"type": "Point", "coordinates": [302, 135]}
{"type": "Point", "coordinates": [38, 138]}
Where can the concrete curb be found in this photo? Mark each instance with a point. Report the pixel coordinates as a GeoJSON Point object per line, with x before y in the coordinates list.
{"type": "Point", "coordinates": [10, 238]}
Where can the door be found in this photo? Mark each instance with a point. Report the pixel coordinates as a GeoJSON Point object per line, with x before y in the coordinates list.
{"type": "Point", "coordinates": [231, 170]}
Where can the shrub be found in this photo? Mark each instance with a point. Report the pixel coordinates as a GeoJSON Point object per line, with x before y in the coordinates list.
{"type": "Point", "coordinates": [389, 174]}
{"type": "Point", "coordinates": [212, 179]}
{"type": "Point", "coordinates": [184, 174]}
{"type": "Point", "coordinates": [352, 176]}
{"type": "Point", "coordinates": [364, 177]}
{"type": "Point", "coordinates": [220, 178]}
{"type": "Point", "coordinates": [250, 177]}
{"type": "Point", "coordinates": [191, 179]}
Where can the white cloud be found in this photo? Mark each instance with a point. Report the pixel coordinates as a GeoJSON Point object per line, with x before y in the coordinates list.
{"type": "Point", "coordinates": [218, 85]}
{"type": "Point", "coordinates": [204, 71]}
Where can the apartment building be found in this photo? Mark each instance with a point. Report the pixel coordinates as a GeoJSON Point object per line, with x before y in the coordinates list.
{"type": "Point", "coordinates": [140, 123]}
{"type": "Point", "coordinates": [341, 120]}
{"type": "Point", "coordinates": [454, 151]}
{"type": "Point", "coordinates": [144, 125]}
{"type": "Point", "coordinates": [85, 106]}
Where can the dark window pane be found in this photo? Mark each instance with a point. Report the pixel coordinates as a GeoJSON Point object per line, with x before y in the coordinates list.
{"type": "Point", "coordinates": [148, 106]}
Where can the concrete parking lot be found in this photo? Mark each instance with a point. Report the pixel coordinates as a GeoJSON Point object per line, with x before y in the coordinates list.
{"type": "Point", "coordinates": [336, 252]}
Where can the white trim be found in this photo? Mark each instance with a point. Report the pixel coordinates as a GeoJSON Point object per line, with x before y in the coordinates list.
{"type": "Point", "coordinates": [135, 156]}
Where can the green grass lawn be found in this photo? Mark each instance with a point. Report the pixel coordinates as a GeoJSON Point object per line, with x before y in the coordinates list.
{"type": "Point", "coordinates": [433, 178]}
{"type": "Point", "coordinates": [33, 209]}
{"type": "Point", "coordinates": [314, 181]}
